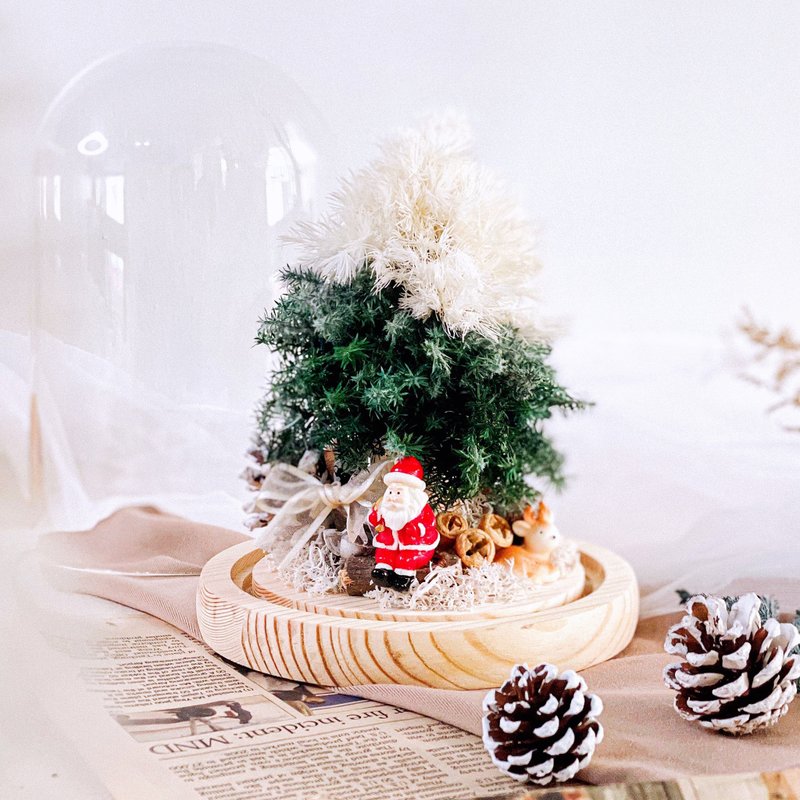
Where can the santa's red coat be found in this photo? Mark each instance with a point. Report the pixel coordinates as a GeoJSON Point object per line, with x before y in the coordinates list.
{"type": "Point", "coordinates": [408, 549]}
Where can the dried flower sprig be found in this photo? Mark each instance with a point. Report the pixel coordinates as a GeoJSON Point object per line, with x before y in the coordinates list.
{"type": "Point", "coordinates": [774, 364]}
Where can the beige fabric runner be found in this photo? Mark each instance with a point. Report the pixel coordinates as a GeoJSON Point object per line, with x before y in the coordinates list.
{"type": "Point", "coordinates": [645, 739]}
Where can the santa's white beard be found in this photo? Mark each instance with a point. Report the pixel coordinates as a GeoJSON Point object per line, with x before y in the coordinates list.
{"type": "Point", "coordinates": [397, 519]}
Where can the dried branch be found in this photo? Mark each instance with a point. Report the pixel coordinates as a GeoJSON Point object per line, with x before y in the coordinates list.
{"type": "Point", "coordinates": [779, 353]}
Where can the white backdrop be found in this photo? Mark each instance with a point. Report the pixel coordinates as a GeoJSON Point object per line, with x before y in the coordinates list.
{"type": "Point", "coordinates": [656, 144]}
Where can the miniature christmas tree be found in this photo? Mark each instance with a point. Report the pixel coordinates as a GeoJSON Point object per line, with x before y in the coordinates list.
{"type": "Point", "coordinates": [408, 329]}
{"type": "Point", "coordinates": [394, 449]}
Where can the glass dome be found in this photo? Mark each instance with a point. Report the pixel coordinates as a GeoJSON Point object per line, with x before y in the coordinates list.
{"type": "Point", "coordinates": [167, 175]}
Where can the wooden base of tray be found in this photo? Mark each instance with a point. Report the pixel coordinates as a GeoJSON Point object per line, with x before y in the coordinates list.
{"type": "Point", "coordinates": [249, 616]}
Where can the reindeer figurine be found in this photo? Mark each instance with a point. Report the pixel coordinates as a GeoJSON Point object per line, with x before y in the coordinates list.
{"type": "Point", "coordinates": [533, 558]}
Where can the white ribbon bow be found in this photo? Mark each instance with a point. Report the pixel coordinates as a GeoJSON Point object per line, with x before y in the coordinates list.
{"type": "Point", "coordinates": [299, 504]}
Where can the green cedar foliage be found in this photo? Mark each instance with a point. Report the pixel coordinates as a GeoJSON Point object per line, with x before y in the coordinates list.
{"type": "Point", "coordinates": [361, 375]}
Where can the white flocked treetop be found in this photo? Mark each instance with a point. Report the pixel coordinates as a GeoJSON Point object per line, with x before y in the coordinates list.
{"type": "Point", "coordinates": [428, 217]}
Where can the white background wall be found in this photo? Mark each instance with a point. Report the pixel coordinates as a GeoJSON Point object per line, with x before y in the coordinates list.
{"type": "Point", "coordinates": [655, 143]}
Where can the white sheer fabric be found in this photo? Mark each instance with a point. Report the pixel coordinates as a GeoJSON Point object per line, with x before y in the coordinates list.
{"type": "Point", "coordinates": [677, 466]}
{"type": "Point", "coordinates": [135, 446]}
{"type": "Point", "coordinates": [14, 410]}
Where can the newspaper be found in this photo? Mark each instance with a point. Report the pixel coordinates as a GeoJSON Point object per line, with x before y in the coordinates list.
{"type": "Point", "coordinates": [169, 712]}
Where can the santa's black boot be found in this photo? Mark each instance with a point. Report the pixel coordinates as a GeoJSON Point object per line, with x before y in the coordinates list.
{"type": "Point", "coordinates": [400, 582]}
{"type": "Point", "coordinates": [382, 577]}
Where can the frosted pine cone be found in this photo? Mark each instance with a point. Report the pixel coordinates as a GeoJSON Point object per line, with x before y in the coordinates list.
{"type": "Point", "coordinates": [740, 673]}
{"type": "Point", "coordinates": [540, 726]}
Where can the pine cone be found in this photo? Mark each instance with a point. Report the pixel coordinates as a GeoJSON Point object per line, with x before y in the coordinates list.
{"type": "Point", "coordinates": [540, 726]}
{"type": "Point", "coordinates": [740, 671]}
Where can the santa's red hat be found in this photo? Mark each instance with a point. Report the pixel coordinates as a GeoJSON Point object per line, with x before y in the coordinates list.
{"type": "Point", "coordinates": [406, 471]}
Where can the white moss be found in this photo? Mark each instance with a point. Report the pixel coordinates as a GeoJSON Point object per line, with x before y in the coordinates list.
{"type": "Point", "coordinates": [565, 556]}
{"type": "Point", "coordinates": [456, 589]}
{"type": "Point", "coordinates": [474, 509]}
{"type": "Point", "coordinates": [315, 569]}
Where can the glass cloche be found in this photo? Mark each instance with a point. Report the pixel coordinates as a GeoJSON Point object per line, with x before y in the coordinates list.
{"type": "Point", "coordinates": [167, 175]}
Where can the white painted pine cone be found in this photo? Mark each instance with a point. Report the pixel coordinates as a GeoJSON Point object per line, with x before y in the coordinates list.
{"type": "Point", "coordinates": [738, 674]}
{"type": "Point", "coordinates": [541, 727]}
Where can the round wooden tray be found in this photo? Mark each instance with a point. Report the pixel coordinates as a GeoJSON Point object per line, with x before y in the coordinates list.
{"type": "Point", "coordinates": [249, 616]}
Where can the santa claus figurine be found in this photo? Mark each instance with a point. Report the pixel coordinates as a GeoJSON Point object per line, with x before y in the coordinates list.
{"type": "Point", "coordinates": [404, 526]}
